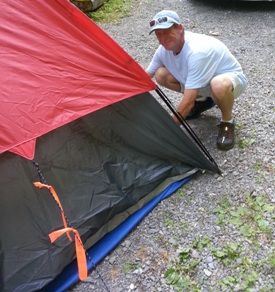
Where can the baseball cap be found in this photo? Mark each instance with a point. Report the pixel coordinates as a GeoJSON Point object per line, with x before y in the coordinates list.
{"type": "Point", "coordinates": [163, 20]}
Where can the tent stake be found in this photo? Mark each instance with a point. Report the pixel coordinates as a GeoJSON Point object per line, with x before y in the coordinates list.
{"type": "Point", "coordinates": [187, 127]}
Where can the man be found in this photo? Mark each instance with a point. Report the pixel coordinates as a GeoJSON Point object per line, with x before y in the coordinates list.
{"type": "Point", "coordinates": [199, 66]}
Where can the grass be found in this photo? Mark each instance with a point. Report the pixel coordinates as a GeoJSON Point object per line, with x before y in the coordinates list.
{"type": "Point", "coordinates": [111, 11]}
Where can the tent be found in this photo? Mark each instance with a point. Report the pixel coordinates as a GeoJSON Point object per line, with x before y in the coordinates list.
{"type": "Point", "coordinates": [84, 146]}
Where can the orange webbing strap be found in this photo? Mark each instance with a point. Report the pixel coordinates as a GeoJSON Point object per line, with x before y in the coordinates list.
{"type": "Point", "coordinates": [80, 251]}
{"type": "Point", "coordinates": [51, 189]}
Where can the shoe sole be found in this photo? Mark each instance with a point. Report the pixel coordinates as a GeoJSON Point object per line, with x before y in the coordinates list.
{"type": "Point", "coordinates": [225, 148]}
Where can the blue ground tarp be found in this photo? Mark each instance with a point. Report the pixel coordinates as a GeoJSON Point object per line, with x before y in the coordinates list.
{"type": "Point", "coordinates": [102, 248]}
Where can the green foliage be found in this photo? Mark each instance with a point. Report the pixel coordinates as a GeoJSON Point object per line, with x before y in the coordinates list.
{"type": "Point", "coordinates": [168, 222]}
{"type": "Point", "coordinates": [222, 211]}
{"type": "Point", "coordinates": [180, 276]}
{"type": "Point", "coordinates": [259, 179]}
{"type": "Point", "coordinates": [257, 166]}
{"type": "Point", "coordinates": [200, 243]}
{"type": "Point", "coordinates": [244, 279]}
{"type": "Point", "coordinates": [128, 267]}
{"type": "Point", "coordinates": [111, 10]}
{"type": "Point", "coordinates": [252, 218]}
{"type": "Point", "coordinates": [180, 282]}
{"type": "Point", "coordinates": [227, 254]}
{"type": "Point", "coordinates": [244, 143]}
{"type": "Point", "coordinates": [184, 226]}
{"type": "Point", "coordinates": [228, 281]}
{"type": "Point", "coordinates": [181, 192]}
{"type": "Point", "coordinates": [245, 272]}
{"type": "Point", "coordinates": [249, 280]}
{"type": "Point", "coordinates": [267, 263]}
{"type": "Point", "coordinates": [271, 260]}
{"type": "Point", "coordinates": [249, 218]}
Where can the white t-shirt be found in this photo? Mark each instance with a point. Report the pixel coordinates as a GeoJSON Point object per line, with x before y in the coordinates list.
{"type": "Point", "coordinates": [201, 58]}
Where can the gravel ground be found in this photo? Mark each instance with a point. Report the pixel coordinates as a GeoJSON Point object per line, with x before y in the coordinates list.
{"type": "Point", "coordinates": [215, 233]}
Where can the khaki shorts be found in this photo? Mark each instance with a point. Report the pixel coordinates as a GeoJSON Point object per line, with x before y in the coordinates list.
{"type": "Point", "coordinates": [239, 85]}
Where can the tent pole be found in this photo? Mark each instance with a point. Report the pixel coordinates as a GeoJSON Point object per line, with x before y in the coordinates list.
{"type": "Point", "coordinates": [186, 126]}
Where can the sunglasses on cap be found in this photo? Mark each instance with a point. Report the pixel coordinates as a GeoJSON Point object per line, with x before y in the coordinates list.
{"type": "Point", "coordinates": [162, 20]}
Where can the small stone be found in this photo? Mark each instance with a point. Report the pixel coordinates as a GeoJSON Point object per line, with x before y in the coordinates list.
{"type": "Point", "coordinates": [209, 259]}
{"type": "Point", "coordinates": [207, 273]}
{"type": "Point", "coordinates": [238, 288]}
{"type": "Point", "coordinates": [112, 260]}
{"type": "Point", "coordinates": [138, 271]}
{"type": "Point", "coordinates": [239, 261]}
{"type": "Point", "coordinates": [195, 253]}
{"type": "Point", "coordinates": [172, 241]}
{"type": "Point", "coordinates": [146, 269]}
{"type": "Point", "coordinates": [211, 266]}
{"type": "Point", "coordinates": [218, 228]}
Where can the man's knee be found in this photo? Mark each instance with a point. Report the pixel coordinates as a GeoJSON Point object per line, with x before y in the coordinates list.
{"type": "Point", "coordinates": [221, 86]}
{"type": "Point", "coordinates": [166, 79]}
{"type": "Point", "coordinates": [162, 75]}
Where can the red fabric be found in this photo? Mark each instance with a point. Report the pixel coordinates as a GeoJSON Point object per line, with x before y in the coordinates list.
{"type": "Point", "coordinates": [56, 66]}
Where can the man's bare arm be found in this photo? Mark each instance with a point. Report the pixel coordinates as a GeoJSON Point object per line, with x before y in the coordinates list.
{"type": "Point", "coordinates": [187, 103]}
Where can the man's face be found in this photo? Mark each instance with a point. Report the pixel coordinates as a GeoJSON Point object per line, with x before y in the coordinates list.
{"type": "Point", "coordinates": [170, 38]}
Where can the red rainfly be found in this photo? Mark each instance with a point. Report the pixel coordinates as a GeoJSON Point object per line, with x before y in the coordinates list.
{"type": "Point", "coordinates": [56, 66]}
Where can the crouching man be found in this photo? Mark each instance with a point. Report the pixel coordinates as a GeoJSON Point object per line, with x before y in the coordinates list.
{"type": "Point", "coordinates": [199, 66]}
